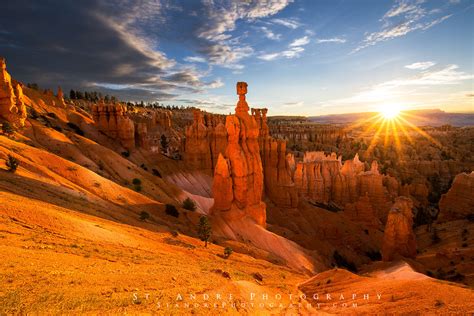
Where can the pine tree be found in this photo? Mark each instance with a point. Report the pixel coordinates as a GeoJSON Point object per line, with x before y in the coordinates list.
{"type": "Point", "coordinates": [204, 230]}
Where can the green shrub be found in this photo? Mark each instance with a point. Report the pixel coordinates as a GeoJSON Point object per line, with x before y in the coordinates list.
{"type": "Point", "coordinates": [189, 204]}
{"type": "Point", "coordinates": [144, 216]}
{"type": "Point", "coordinates": [7, 128]}
{"type": "Point", "coordinates": [227, 252]}
{"type": "Point", "coordinates": [126, 154]}
{"type": "Point", "coordinates": [171, 210]}
{"type": "Point", "coordinates": [12, 163]}
{"type": "Point", "coordinates": [137, 181]}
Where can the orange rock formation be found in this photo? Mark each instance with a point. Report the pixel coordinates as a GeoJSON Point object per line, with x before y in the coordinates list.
{"type": "Point", "coordinates": [12, 106]}
{"type": "Point", "coordinates": [458, 202]}
{"type": "Point", "coordinates": [112, 120]}
{"type": "Point", "coordinates": [399, 239]}
{"type": "Point", "coordinates": [279, 186]}
{"type": "Point", "coordinates": [238, 176]}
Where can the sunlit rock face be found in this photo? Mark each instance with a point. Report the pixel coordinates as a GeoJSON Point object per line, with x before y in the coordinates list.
{"type": "Point", "coordinates": [279, 186]}
{"type": "Point", "coordinates": [458, 202]}
{"type": "Point", "coordinates": [399, 238]}
{"type": "Point", "coordinates": [12, 106]}
{"type": "Point", "coordinates": [112, 120]}
{"type": "Point", "coordinates": [238, 178]}
{"type": "Point", "coordinates": [206, 139]}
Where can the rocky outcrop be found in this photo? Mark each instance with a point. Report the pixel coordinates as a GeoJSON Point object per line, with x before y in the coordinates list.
{"type": "Point", "coordinates": [150, 126]}
{"type": "Point", "coordinates": [112, 120]}
{"type": "Point", "coordinates": [206, 139]}
{"type": "Point", "coordinates": [60, 97]}
{"type": "Point", "coordinates": [399, 239]}
{"type": "Point", "coordinates": [197, 149]}
{"type": "Point", "coordinates": [12, 106]}
{"type": "Point", "coordinates": [238, 178]}
{"type": "Point", "coordinates": [458, 202]}
{"type": "Point", "coordinates": [278, 183]}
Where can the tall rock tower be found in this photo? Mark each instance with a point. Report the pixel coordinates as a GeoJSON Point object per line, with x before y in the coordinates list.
{"type": "Point", "coordinates": [238, 176]}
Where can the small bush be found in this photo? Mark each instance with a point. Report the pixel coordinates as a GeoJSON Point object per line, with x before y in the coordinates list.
{"type": "Point", "coordinates": [7, 128]}
{"type": "Point", "coordinates": [137, 188]}
{"type": "Point", "coordinates": [137, 181]}
{"type": "Point", "coordinates": [174, 233]}
{"type": "Point", "coordinates": [52, 115]}
{"type": "Point", "coordinates": [171, 210]}
{"type": "Point", "coordinates": [12, 163]}
{"type": "Point", "coordinates": [464, 245]}
{"type": "Point", "coordinates": [227, 252]}
{"type": "Point", "coordinates": [126, 154]}
{"type": "Point", "coordinates": [144, 167]}
{"type": "Point", "coordinates": [144, 216]}
{"type": "Point", "coordinates": [189, 204]}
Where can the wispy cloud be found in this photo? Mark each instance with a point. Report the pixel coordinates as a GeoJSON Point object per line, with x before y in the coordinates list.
{"type": "Point", "coordinates": [421, 65]}
{"type": "Point", "coordinates": [300, 41]}
{"type": "Point", "coordinates": [269, 33]}
{"type": "Point", "coordinates": [289, 23]}
{"type": "Point", "coordinates": [331, 40]}
{"type": "Point", "coordinates": [404, 17]}
{"type": "Point", "coordinates": [195, 59]}
{"type": "Point", "coordinates": [221, 49]}
{"type": "Point", "coordinates": [294, 49]}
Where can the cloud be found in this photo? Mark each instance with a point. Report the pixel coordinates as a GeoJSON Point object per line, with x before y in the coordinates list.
{"type": "Point", "coordinates": [289, 23]}
{"type": "Point", "coordinates": [118, 53]}
{"type": "Point", "coordinates": [195, 59]}
{"type": "Point", "coordinates": [331, 40]}
{"type": "Point", "coordinates": [269, 34]}
{"type": "Point", "coordinates": [406, 89]}
{"type": "Point", "coordinates": [421, 65]}
{"type": "Point", "coordinates": [404, 17]}
{"type": "Point", "coordinates": [221, 18]}
{"type": "Point", "coordinates": [294, 50]}
{"type": "Point", "coordinates": [300, 41]}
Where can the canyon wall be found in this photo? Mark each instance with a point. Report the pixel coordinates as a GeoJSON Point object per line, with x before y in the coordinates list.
{"type": "Point", "coordinates": [12, 106]}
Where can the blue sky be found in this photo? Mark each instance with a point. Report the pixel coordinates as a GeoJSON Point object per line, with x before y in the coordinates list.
{"type": "Point", "coordinates": [302, 57]}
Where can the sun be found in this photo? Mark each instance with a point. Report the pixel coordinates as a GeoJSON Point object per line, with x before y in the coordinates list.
{"type": "Point", "coordinates": [390, 111]}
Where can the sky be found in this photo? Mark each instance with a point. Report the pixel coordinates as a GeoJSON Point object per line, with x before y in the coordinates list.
{"type": "Point", "coordinates": [301, 57]}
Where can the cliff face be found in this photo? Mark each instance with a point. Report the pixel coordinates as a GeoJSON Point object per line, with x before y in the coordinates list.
{"type": "Point", "coordinates": [112, 120]}
{"type": "Point", "coordinates": [238, 178]}
{"type": "Point", "coordinates": [458, 202]}
{"type": "Point", "coordinates": [12, 106]}
{"type": "Point", "coordinates": [399, 238]}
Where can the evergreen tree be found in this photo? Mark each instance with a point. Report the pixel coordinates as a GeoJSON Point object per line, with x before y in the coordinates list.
{"type": "Point", "coordinates": [204, 230]}
{"type": "Point", "coordinates": [72, 95]}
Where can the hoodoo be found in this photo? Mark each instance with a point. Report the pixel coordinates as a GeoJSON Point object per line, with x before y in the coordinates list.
{"type": "Point", "coordinates": [240, 168]}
